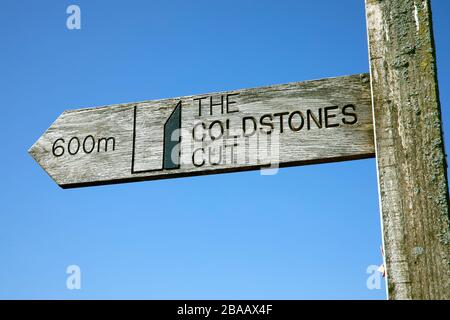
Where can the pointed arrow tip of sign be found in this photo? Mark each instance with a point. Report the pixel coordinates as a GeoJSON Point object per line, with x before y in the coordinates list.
{"type": "Point", "coordinates": [34, 151]}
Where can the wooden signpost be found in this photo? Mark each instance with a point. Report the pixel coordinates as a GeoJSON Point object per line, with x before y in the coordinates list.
{"type": "Point", "coordinates": [412, 169]}
{"type": "Point", "coordinates": [283, 125]}
{"type": "Point", "coordinates": [395, 112]}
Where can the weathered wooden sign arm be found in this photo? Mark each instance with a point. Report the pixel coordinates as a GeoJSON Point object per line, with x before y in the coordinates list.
{"type": "Point", "coordinates": [412, 168]}
{"type": "Point", "coordinates": [282, 125]}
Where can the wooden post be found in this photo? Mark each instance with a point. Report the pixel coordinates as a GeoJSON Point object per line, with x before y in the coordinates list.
{"type": "Point", "coordinates": [410, 153]}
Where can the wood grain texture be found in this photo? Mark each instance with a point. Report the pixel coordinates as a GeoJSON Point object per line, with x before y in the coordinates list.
{"type": "Point", "coordinates": [410, 152]}
{"type": "Point", "coordinates": [291, 124]}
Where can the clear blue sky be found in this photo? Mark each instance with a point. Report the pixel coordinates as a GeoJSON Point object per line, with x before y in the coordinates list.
{"type": "Point", "coordinates": [307, 232]}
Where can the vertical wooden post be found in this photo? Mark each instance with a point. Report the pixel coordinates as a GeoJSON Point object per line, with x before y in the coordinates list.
{"type": "Point", "coordinates": [410, 153]}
